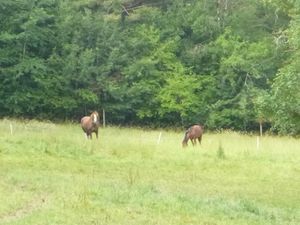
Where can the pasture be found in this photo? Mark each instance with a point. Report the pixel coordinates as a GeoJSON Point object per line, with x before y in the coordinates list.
{"type": "Point", "coordinates": [50, 174]}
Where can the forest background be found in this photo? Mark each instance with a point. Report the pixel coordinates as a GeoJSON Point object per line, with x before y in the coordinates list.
{"type": "Point", "coordinates": [229, 64]}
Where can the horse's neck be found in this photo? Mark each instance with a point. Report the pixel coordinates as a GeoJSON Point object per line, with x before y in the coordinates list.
{"type": "Point", "coordinates": [186, 136]}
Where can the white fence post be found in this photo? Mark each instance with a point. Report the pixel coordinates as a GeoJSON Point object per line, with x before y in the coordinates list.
{"type": "Point", "coordinates": [103, 117]}
{"type": "Point", "coordinates": [257, 142]}
{"type": "Point", "coordinates": [159, 137]}
{"type": "Point", "coordinates": [11, 129]}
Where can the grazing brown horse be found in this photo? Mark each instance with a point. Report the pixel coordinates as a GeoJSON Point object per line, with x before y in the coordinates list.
{"type": "Point", "coordinates": [90, 124]}
{"type": "Point", "coordinates": [194, 132]}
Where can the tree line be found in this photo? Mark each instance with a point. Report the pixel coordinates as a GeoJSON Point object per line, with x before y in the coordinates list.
{"type": "Point", "coordinates": [228, 64]}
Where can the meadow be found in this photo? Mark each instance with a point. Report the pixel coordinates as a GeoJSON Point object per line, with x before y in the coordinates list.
{"type": "Point", "coordinates": [50, 174]}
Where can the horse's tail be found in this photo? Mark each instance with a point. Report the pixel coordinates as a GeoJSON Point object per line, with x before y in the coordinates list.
{"type": "Point", "coordinates": [185, 138]}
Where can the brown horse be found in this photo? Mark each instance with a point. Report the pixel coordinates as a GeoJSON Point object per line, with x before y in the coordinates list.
{"type": "Point", "coordinates": [90, 124]}
{"type": "Point", "coordinates": [193, 133]}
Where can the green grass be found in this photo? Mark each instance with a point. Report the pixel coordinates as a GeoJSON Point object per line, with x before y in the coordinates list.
{"type": "Point", "coordinates": [50, 174]}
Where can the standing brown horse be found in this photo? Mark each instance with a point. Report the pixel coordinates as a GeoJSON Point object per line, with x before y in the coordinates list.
{"type": "Point", "coordinates": [90, 124]}
{"type": "Point", "coordinates": [193, 133]}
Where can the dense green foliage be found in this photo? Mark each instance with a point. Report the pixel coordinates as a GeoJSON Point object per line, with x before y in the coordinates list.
{"type": "Point", "coordinates": [225, 63]}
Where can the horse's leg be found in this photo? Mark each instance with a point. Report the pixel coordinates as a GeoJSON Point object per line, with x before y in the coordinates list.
{"type": "Point", "coordinates": [200, 139]}
{"type": "Point", "coordinates": [89, 135]}
{"type": "Point", "coordinates": [193, 141]}
{"type": "Point", "coordinates": [96, 132]}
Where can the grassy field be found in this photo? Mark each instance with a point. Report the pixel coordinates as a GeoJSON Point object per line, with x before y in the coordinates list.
{"type": "Point", "coordinates": [50, 174]}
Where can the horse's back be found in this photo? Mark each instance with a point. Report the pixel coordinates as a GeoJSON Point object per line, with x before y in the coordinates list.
{"type": "Point", "coordinates": [196, 130]}
{"type": "Point", "coordinates": [84, 119]}
{"type": "Point", "coordinates": [84, 122]}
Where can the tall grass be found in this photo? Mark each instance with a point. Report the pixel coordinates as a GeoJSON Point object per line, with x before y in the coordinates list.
{"type": "Point", "coordinates": [50, 174]}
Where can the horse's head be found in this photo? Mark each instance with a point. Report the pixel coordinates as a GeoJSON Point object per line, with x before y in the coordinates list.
{"type": "Point", "coordinates": [95, 117]}
{"type": "Point", "coordinates": [184, 144]}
